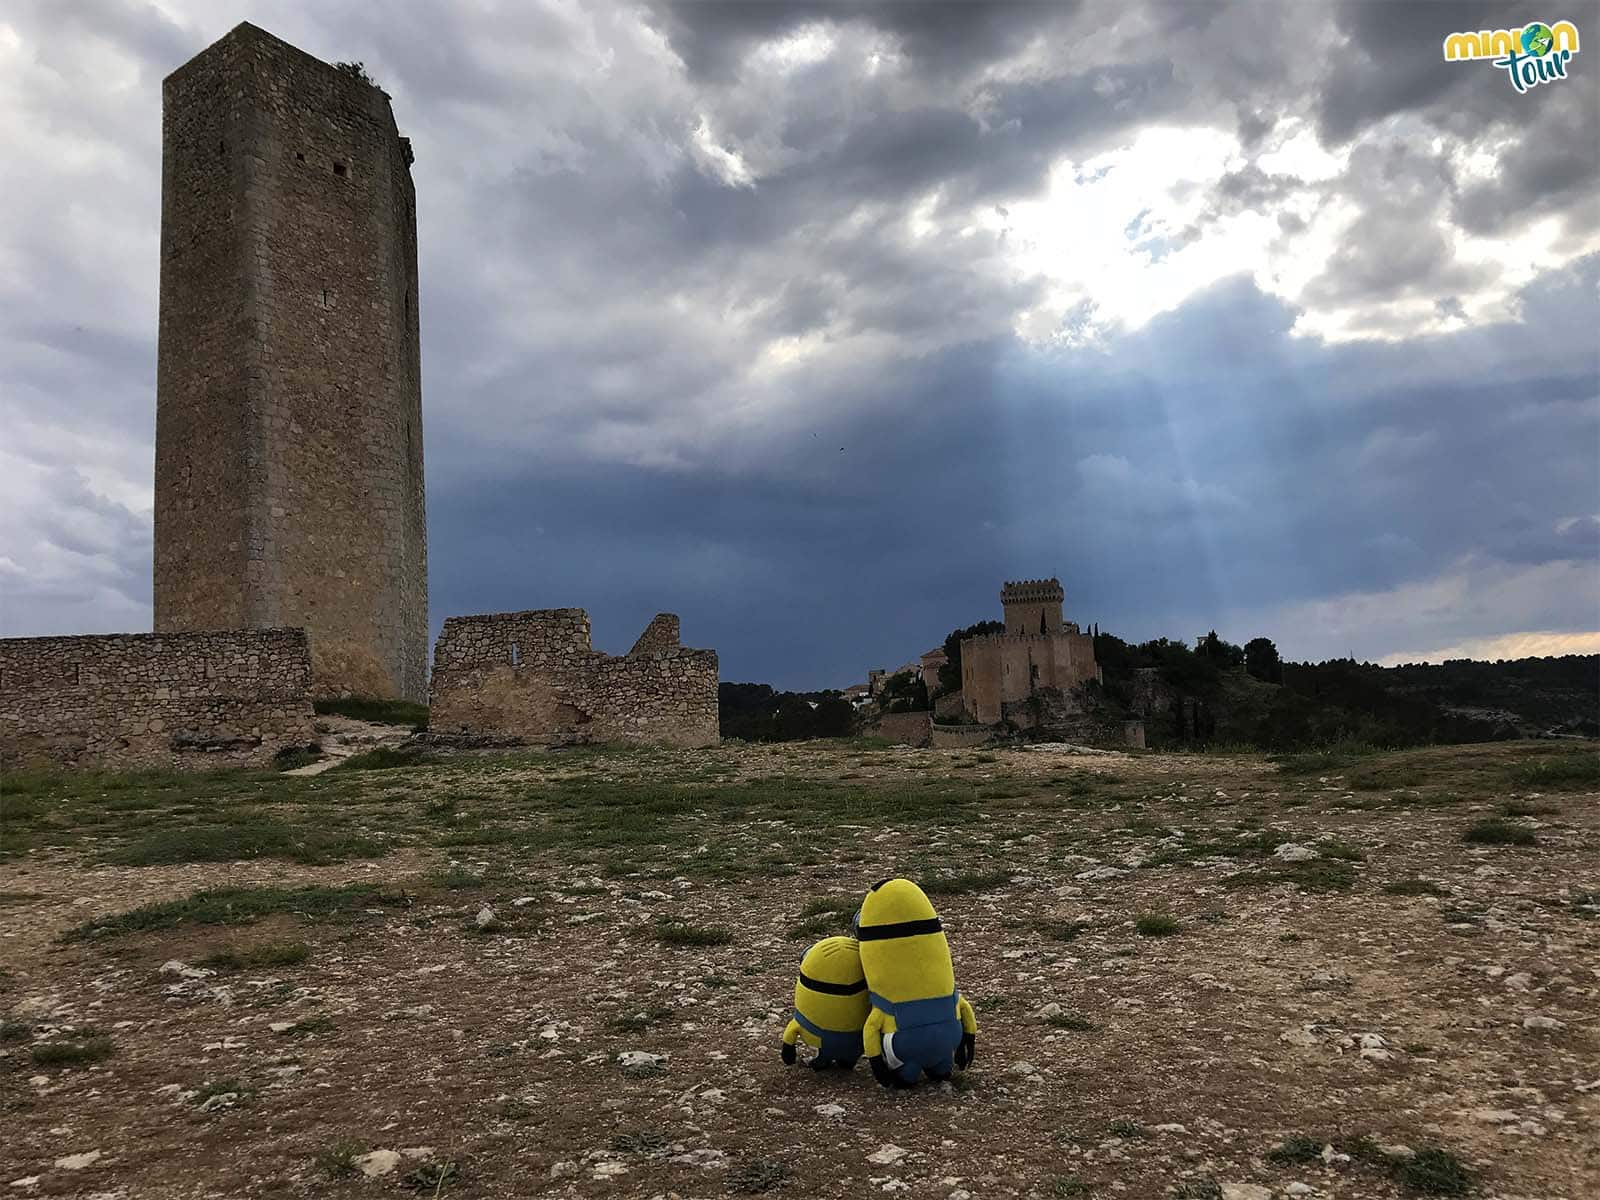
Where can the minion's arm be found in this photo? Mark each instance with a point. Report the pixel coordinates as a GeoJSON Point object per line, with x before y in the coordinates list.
{"type": "Point", "coordinates": [872, 1047]}
{"type": "Point", "coordinates": [872, 1035]}
{"type": "Point", "coordinates": [968, 1048]}
{"type": "Point", "coordinates": [791, 1033]}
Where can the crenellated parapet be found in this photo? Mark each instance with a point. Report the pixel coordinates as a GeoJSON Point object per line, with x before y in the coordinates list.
{"type": "Point", "coordinates": [1032, 591]}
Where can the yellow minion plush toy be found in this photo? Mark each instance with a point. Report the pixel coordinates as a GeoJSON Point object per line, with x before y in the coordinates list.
{"type": "Point", "coordinates": [918, 1022]}
{"type": "Point", "coordinates": [830, 1005]}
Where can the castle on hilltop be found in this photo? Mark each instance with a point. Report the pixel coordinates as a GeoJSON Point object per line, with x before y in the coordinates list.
{"type": "Point", "coordinates": [1005, 675]}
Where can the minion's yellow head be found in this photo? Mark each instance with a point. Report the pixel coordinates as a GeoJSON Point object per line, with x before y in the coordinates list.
{"type": "Point", "coordinates": [834, 960]}
{"type": "Point", "coordinates": [831, 991]}
{"type": "Point", "coordinates": [903, 947]}
{"type": "Point", "coordinates": [896, 902]}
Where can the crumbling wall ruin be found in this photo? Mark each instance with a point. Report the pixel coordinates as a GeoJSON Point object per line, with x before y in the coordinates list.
{"type": "Point", "coordinates": [534, 676]}
{"type": "Point", "coordinates": [661, 634]}
{"type": "Point", "coordinates": [187, 700]}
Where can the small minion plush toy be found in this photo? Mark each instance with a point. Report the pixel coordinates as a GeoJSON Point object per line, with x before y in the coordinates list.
{"type": "Point", "coordinates": [918, 1022]}
{"type": "Point", "coordinates": [830, 1005]}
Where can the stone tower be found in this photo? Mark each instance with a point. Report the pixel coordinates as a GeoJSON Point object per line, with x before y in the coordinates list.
{"type": "Point", "coordinates": [288, 391]}
{"type": "Point", "coordinates": [1032, 605]}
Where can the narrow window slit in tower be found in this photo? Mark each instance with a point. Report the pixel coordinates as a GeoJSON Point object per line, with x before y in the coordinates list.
{"type": "Point", "coordinates": [338, 168]}
{"type": "Point", "coordinates": [516, 655]}
{"type": "Point", "coordinates": [222, 147]}
{"type": "Point", "coordinates": [299, 156]}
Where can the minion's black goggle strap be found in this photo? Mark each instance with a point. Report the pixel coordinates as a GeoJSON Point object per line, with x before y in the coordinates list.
{"type": "Point", "coordinates": [878, 933]}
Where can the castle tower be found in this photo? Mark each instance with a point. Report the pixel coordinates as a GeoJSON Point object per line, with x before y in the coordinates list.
{"type": "Point", "coordinates": [1033, 605]}
{"type": "Point", "coordinates": [288, 390]}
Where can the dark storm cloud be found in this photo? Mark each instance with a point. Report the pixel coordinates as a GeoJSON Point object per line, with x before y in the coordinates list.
{"type": "Point", "coordinates": [954, 37]}
{"type": "Point", "coordinates": [1552, 166]}
{"type": "Point", "coordinates": [1393, 62]}
{"type": "Point", "coordinates": [1155, 475]}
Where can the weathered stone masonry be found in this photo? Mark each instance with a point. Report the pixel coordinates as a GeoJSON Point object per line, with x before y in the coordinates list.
{"type": "Point", "coordinates": [289, 483]}
{"type": "Point", "coordinates": [152, 700]}
{"type": "Point", "coordinates": [536, 676]}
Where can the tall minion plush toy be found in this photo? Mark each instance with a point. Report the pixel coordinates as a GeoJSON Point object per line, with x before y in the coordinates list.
{"type": "Point", "coordinates": [830, 1005]}
{"type": "Point", "coordinates": [918, 1022]}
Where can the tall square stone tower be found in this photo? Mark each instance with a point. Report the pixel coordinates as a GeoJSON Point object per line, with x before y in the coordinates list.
{"type": "Point", "coordinates": [288, 390]}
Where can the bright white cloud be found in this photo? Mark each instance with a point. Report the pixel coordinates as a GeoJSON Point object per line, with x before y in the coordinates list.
{"type": "Point", "coordinates": [1536, 644]}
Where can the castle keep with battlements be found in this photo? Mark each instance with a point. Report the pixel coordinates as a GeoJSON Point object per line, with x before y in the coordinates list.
{"type": "Point", "coordinates": [1039, 657]}
{"type": "Point", "coordinates": [289, 484]}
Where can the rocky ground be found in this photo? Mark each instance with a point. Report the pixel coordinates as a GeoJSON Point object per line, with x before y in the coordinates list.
{"type": "Point", "coordinates": [567, 974]}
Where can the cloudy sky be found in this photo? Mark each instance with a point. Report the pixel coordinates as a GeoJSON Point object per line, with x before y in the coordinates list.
{"type": "Point", "coordinates": [813, 322]}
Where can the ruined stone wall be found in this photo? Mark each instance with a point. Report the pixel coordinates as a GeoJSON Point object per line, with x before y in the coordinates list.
{"type": "Point", "coordinates": [289, 486]}
{"type": "Point", "coordinates": [661, 634]}
{"type": "Point", "coordinates": [188, 700]}
{"type": "Point", "coordinates": [907, 729]}
{"type": "Point", "coordinates": [959, 737]}
{"type": "Point", "coordinates": [1002, 669]}
{"type": "Point", "coordinates": [534, 675]}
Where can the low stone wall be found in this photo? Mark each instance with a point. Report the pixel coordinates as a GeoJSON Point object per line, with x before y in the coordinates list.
{"type": "Point", "coordinates": [906, 729]}
{"type": "Point", "coordinates": [535, 676]}
{"type": "Point", "coordinates": [186, 700]}
{"type": "Point", "coordinates": [959, 737]}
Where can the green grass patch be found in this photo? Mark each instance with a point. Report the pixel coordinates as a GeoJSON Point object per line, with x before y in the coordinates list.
{"type": "Point", "coordinates": [1330, 760]}
{"type": "Point", "coordinates": [683, 933]}
{"type": "Point", "coordinates": [218, 1087]}
{"type": "Point", "coordinates": [1318, 875]}
{"type": "Point", "coordinates": [387, 758]}
{"type": "Point", "coordinates": [241, 839]}
{"type": "Point", "coordinates": [431, 1178]}
{"type": "Point", "coordinates": [824, 916]}
{"type": "Point", "coordinates": [959, 883]}
{"type": "Point", "coordinates": [1157, 925]}
{"type": "Point", "coordinates": [1434, 1172]}
{"type": "Point", "coordinates": [309, 1026]}
{"type": "Point", "coordinates": [758, 1175]}
{"type": "Point", "coordinates": [291, 758]}
{"type": "Point", "coordinates": [1297, 1149]}
{"type": "Point", "coordinates": [1569, 772]}
{"type": "Point", "coordinates": [242, 906]}
{"type": "Point", "coordinates": [1340, 851]}
{"type": "Point", "coordinates": [457, 879]}
{"type": "Point", "coordinates": [1071, 1021]}
{"type": "Point", "coordinates": [1496, 832]}
{"type": "Point", "coordinates": [641, 1020]}
{"type": "Point", "coordinates": [337, 1160]}
{"type": "Point", "coordinates": [244, 958]}
{"type": "Point", "coordinates": [1127, 1129]}
{"type": "Point", "coordinates": [1413, 887]}
{"type": "Point", "coordinates": [1068, 1185]}
{"type": "Point", "coordinates": [379, 712]}
{"type": "Point", "coordinates": [72, 1051]}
